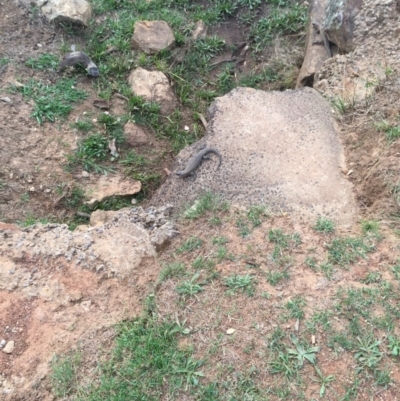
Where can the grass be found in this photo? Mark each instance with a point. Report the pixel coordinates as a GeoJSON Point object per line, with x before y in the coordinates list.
{"type": "Point", "coordinates": [43, 62]}
{"type": "Point", "coordinates": [208, 202]}
{"type": "Point", "coordinates": [242, 283]}
{"type": "Point", "coordinates": [347, 250]}
{"type": "Point", "coordinates": [64, 373]}
{"type": "Point", "coordinates": [146, 362]}
{"type": "Point", "coordinates": [391, 131]}
{"type": "Point", "coordinates": [324, 225]}
{"type": "Point", "coordinates": [52, 102]}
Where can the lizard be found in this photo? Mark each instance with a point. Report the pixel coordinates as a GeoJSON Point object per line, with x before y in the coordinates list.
{"type": "Point", "coordinates": [74, 58]}
{"type": "Point", "coordinates": [196, 160]}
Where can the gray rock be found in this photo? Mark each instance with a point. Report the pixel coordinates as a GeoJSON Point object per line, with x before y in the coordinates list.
{"type": "Point", "coordinates": [278, 148]}
{"type": "Point", "coordinates": [338, 23]}
{"type": "Point", "coordinates": [153, 86]}
{"type": "Point", "coordinates": [152, 36]}
{"type": "Point", "coordinates": [75, 11]}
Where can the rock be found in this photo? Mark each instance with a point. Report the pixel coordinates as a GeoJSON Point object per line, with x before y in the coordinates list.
{"type": "Point", "coordinates": [200, 31]}
{"type": "Point", "coordinates": [135, 135]}
{"type": "Point", "coordinates": [103, 216]}
{"type": "Point", "coordinates": [107, 187]}
{"type": "Point", "coordinates": [153, 86]}
{"type": "Point", "coordinates": [3, 343]}
{"type": "Point", "coordinates": [161, 237]}
{"type": "Point", "coordinates": [152, 36]}
{"type": "Point", "coordinates": [338, 23]}
{"type": "Point", "coordinates": [9, 348]}
{"type": "Point", "coordinates": [75, 11]}
{"type": "Point", "coordinates": [278, 148]}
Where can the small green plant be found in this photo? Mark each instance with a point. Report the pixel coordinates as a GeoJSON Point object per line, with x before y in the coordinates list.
{"type": "Point", "coordinates": [324, 225]}
{"type": "Point", "coordinates": [63, 376]}
{"type": "Point", "coordinates": [275, 276]}
{"type": "Point", "coordinates": [392, 131]}
{"type": "Point", "coordinates": [220, 240]}
{"type": "Point", "coordinates": [190, 287]}
{"type": "Point", "coordinates": [43, 62]}
{"type": "Point", "coordinates": [244, 229]}
{"type": "Point", "coordinates": [255, 213]}
{"type": "Point", "coordinates": [202, 263]}
{"type": "Point", "coordinates": [396, 270]}
{"type": "Point", "coordinates": [83, 125]}
{"type": "Point", "coordinates": [91, 150]}
{"type": "Point", "coordinates": [25, 197]}
{"type": "Point", "coordinates": [394, 345]}
{"type": "Point", "coordinates": [382, 377]}
{"type": "Point", "coordinates": [190, 245]}
{"type": "Point", "coordinates": [171, 270]}
{"type": "Point", "coordinates": [370, 227]}
{"type": "Point", "coordinates": [241, 283]}
{"type": "Point", "coordinates": [368, 354]}
{"type": "Point", "coordinates": [372, 277]}
{"type": "Point", "coordinates": [301, 354]}
{"type": "Point", "coordinates": [209, 202]}
{"type": "Point", "coordinates": [283, 364]}
{"type": "Point", "coordinates": [294, 308]}
{"type": "Point", "coordinates": [324, 381]}
{"type": "Point", "coordinates": [340, 105]}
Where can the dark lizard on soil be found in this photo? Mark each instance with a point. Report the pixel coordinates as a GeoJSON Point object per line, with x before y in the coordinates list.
{"type": "Point", "coordinates": [196, 160]}
{"type": "Point", "coordinates": [81, 58]}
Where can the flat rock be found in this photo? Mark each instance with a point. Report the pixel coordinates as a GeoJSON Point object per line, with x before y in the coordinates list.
{"type": "Point", "coordinates": [109, 186]}
{"type": "Point", "coordinates": [152, 36]}
{"type": "Point", "coordinates": [153, 86]}
{"type": "Point", "coordinates": [75, 11]}
{"type": "Point", "coordinates": [278, 148]}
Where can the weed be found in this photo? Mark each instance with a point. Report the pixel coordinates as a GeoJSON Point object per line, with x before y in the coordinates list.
{"type": "Point", "coordinates": [324, 225]}
{"type": "Point", "coordinates": [392, 131]}
{"type": "Point", "coordinates": [370, 227]}
{"type": "Point", "coordinates": [202, 263]}
{"type": "Point", "coordinates": [74, 197]}
{"type": "Point", "coordinates": [327, 269]}
{"type": "Point", "coordinates": [324, 381]}
{"type": "Point", "coordinates": [190, 287]}
{"type": "Point", "coordinates": [43, 62]}
{"type": "Point", "coordinates": [51, 101]}
{"type": "Point", "coordinates": [171, 270]}
{"type": "Point", "coordinates": [382, 377]}
{"type": "Point", "coordinates": [372, 277]}
{"type": "Point", "coordinates": [244, 229]}
{"type": "Point", "coordinates": [220, 240]}
{"type": "Point", "coordinates": [63, 376]}
{"type": "Point", "coordinates": [114, 126]}
{"type": "Point", "coordinates": [367, 354]}
{"type": "Point", "coordinates": [339, 105]}
{"type": "Point", "coordinates": [222, 253]}
{"type": "Point", "coordinates": [294, 308]}
{"type": "Point", "coordinates": [236, 283]}
{"type": "Point", "coordinates": [283, 364]}
{"type": "Point", "coordinates": [209, 202]}
{"type": "Point", "coordinates": [83, 125]}
{"type": "Point", "coordinates": [254, 214]}
{"type": "Point", "coordinates": [30, 220]}
{"type": "Point", "coordinates": [394, 345]}
{"type": "Point", "coordinates": [190, 245]}
{"type": "Point", "coordinates": [344, 251]}
{"type": "Point", "coordinates": [91, 150]}
{"type": "Point", "coordinates": [301, 354]}
{"type": "Point", "coordinates": [396, 270]}
{"type": "Point", "coordinates": [25, 197]}
{"type": "Point", "coordinates": [275, 276]}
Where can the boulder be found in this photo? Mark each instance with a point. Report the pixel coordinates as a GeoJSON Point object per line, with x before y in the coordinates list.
{"type": "Point", "coordinates": [153, 86]}
{"type": "Point", "coordinates": [278, 148]}
{"type": "Point", "coordinates": [152, 36]}
{"type": "Point", "coordinates": [72, 11]}
{"type": "Point", "coordinates": [338, 23]}
{"type": "Point", "coordinates": [109, 186]}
